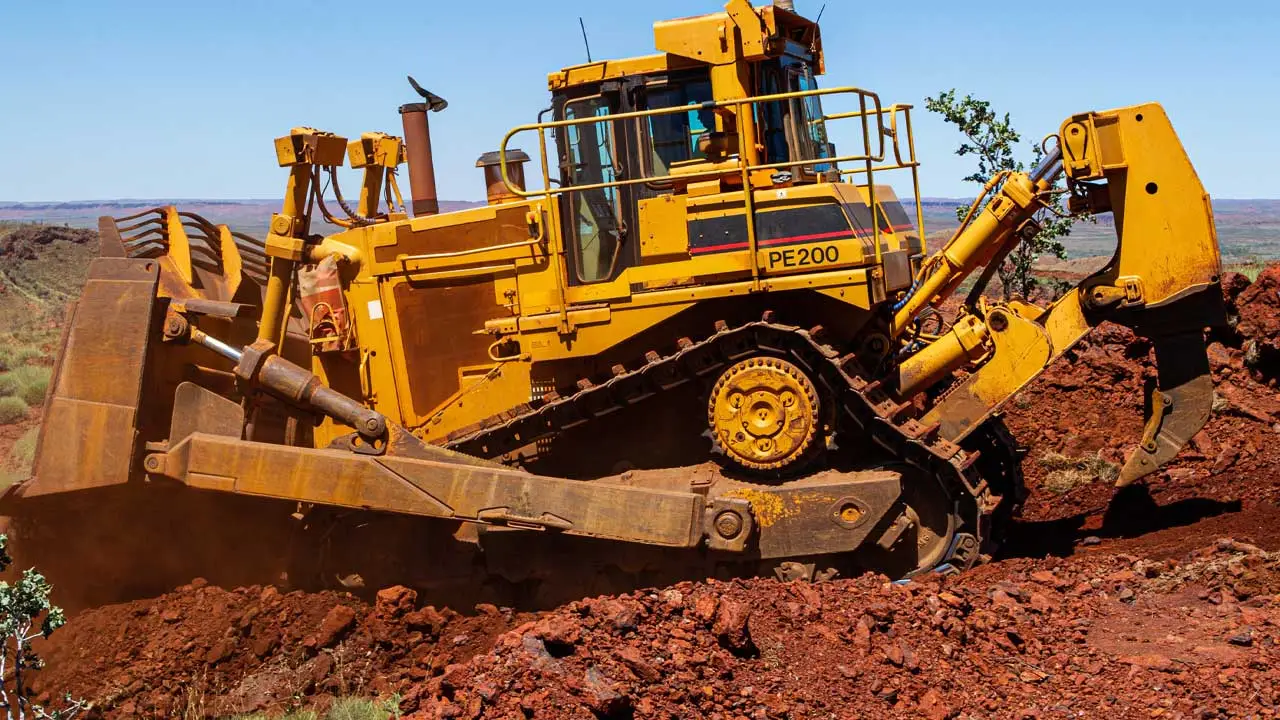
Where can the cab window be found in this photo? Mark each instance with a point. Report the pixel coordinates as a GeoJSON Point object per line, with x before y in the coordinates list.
{"type": "Point", "coordinates": [674, 138]}
{"type": "Point", "coordinates": [595, 214]}
{"type": "Point", "coordinates": [808, 126]}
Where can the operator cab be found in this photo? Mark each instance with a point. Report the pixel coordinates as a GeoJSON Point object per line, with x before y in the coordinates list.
{"type": "Point", "coordinates": [677, 150]}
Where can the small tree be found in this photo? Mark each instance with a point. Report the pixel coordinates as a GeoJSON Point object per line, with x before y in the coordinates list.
{"type": "Point", "coordinates": [26, 614]}
{"type": "Point", "coordinates": [991, 138]}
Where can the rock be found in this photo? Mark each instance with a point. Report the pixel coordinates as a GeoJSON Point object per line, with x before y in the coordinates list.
{"type": "Point", "coordinates": [894, 655]}
{"type": "Point", "coordinates": [1042, 604]}
{"type": "Point", "coordinates": [601, 697]}
{"type": "Point", "coordinates": [1000, 598]}
{"type": "Point", "coordinates": [265, 644]}
{"type": "Point", "coordinates": [1091, 541]}
{"type": "Point", "coordinates": [1045, 577]}
{"type": "Point", "coordinates": [730, 626]}
{"type": "Point", "coordinates": [624, 615]}
{"type": "Point", "coordinates": [220, 651]}
{"type": "Point", "coordinates": [335, 625]}
{"type": "Point", "coordinates": [395, 601]}
{"type": "Point", "coordinates": [705, 606]}
{"type": "Point", "coordinates": [427, 619]}
{"type": "Point", "coordinates": [643, 669]}
{"type": "Point", "coordinates": [933, 707]}
{"type": "Point", "coordinates": [559, 634]}
{"type": "Point", "coordinates": [1125, 594]}
{"type": "Point", "coordinates": [1150, 661]}
{"type": "Point", "coordinates": [1244, 639]}
{"type": "Point", "coordinates": [951, 599]}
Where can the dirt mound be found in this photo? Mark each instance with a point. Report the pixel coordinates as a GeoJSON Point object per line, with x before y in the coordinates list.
{"type": "Point", "coordinates": [1166, 630]}
{"type": "Point", "coordinates": [1089, 405]}
{"type": "Point", "coordinates": [206, 652]}
{"type": "Point", "coordinates": [1193, 637]}
{"type": "Point", "coordinates": [26, 241]}
{"type": "Point", "coordinates": [1258, 309]}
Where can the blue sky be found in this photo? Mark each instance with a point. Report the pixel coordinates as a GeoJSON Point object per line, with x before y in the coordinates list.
{"type": "Point", "coordinates": [149, 99]}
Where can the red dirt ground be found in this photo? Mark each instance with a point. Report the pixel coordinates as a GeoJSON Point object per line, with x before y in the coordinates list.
{"type": "Point", "coordinates": [1161, 601]}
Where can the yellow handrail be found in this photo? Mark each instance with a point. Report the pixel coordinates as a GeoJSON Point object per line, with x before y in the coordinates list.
{"type": "Point", "coordinates": [871, 113]}
{"type": "Point", "coordinates": [541, 128]}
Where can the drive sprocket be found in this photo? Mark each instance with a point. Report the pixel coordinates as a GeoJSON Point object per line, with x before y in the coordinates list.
{"type": "Point", "coordinates": [763, 413]}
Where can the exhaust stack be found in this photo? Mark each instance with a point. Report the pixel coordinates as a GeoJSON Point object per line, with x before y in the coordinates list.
{"type": "Point", "coordinates": [417, 138]}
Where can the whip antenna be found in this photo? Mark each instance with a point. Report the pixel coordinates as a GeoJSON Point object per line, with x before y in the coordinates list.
{"type": "Point", "coordinates": [584, 37]}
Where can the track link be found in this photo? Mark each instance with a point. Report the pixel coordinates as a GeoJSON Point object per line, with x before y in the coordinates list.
{"type": "Point", "coordinates": [864, 408]}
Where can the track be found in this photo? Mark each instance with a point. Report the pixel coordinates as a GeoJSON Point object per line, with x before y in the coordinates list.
{"type": "Point", "coordinates": [955, 537]}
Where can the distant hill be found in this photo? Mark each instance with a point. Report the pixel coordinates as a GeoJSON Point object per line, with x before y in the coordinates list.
{"type": "Point", "coordinates": [247, 216]}
{"type": "Point", "coordinates": [1247, 229]}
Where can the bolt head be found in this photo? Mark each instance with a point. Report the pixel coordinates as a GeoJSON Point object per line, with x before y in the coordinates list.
{"type": "Point", "coordinates": [728, 524]}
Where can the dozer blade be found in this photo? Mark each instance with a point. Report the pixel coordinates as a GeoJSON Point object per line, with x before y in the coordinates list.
{"type": "Point", "coordinates": [1177, 409]}
{"type": "Point", "coordinates": [87, 439]}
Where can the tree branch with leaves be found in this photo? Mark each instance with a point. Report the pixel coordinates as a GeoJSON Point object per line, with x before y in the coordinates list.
{"type": "Point", "coordinates": [991, 139]}
{"type": "Point", "coordinates": [26, 613]}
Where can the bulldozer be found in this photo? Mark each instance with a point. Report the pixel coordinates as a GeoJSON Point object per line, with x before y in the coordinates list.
{"type": "Point", "coordinates": [686, 330]}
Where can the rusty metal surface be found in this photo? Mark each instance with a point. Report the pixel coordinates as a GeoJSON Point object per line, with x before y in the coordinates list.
{"type": "Point", "coordinates": [87, 439]}
{"type": "Point", "coordinates": [827, 513]}
{"type": "Point", "coordinates": [459, 491]}
{"type": "Point", "coordinates": [422, 172]}
{"type": "Point", "coordinates": [1178, 409]}
{"type": "Point", "coordinates": [196, 409]}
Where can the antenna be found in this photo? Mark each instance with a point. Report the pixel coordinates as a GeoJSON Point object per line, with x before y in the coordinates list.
{"type": "Point", "coordinates": [813, 46]}
{"type": "Point", "coordinates": [584, 37]}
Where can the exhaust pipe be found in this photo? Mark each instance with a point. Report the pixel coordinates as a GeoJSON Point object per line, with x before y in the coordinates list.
{"type": "Point", "coordinates": [417, 140]}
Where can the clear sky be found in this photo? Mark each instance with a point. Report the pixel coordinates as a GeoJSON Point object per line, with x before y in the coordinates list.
{"type": "Point", "coordinates": [151, 99]}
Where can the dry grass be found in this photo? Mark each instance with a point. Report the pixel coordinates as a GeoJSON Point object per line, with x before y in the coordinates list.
{"type": "Point", "coordinates": [342, 709]}
{"type": "Point", "coordinates": [1067, 473]}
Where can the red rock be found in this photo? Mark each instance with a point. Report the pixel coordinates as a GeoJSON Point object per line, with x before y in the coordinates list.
{"type": "Point", "coordinates": [395, 601]}
{"type": "Point", "coordinates": [427, 619]}
{"type": "Point", "coordinates": [220, 651]}
{"type": "Point", "coordinates": [635, 661]}
{"type": "Point", "coordinates": [1042, 603]}
{"type": "Point", "coordinates": [704, 607]}
{"type": "Point", "coordinates": [561, 631]}
{"type": "Point", "coordinates": [1045, 577]}
{"type": "Point", "coordinates": [730, 626]}
{"type": "Point", "coordinates": [336, 623]}
{"type": "Point", "coordinates": [895, 655]}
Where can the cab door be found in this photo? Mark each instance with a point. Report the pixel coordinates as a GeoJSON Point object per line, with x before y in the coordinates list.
{"type": "Point", "coordinates": [598, 221]}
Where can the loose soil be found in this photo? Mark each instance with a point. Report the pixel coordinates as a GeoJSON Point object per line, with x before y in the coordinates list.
{"type": "Point", "coordinates": [1162, 600]}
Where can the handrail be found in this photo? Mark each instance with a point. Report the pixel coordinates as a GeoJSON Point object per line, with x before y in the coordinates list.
{"type": "Point", "coordinates": [871, 113]}
{"type": "Point", "coordinates": [911, 162]}
{"type": "Point", "coordinates": [738, 104]}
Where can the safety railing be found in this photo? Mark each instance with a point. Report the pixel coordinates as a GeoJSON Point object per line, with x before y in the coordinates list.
{"type": "Point", "coordinates": [895, 132]}
{"type": "Point", "coordinates": [877, 124]}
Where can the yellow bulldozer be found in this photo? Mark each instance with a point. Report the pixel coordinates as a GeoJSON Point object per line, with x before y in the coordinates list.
{"type": "Point", "coordinates": [701, 337]}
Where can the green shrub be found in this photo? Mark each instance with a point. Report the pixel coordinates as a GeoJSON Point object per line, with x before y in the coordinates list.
{"type": "Point", "coordinates": [8, 385]}
{"type": "Point", "coordinates": [33, 383]}
{"type": "Point", "coordinates": [12, 409]}
{"type": "Point", "coordinates": [359, 709]}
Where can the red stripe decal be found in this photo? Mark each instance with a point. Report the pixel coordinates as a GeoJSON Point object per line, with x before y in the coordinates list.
{"type": "Point", "coordinates": [793, 240]}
